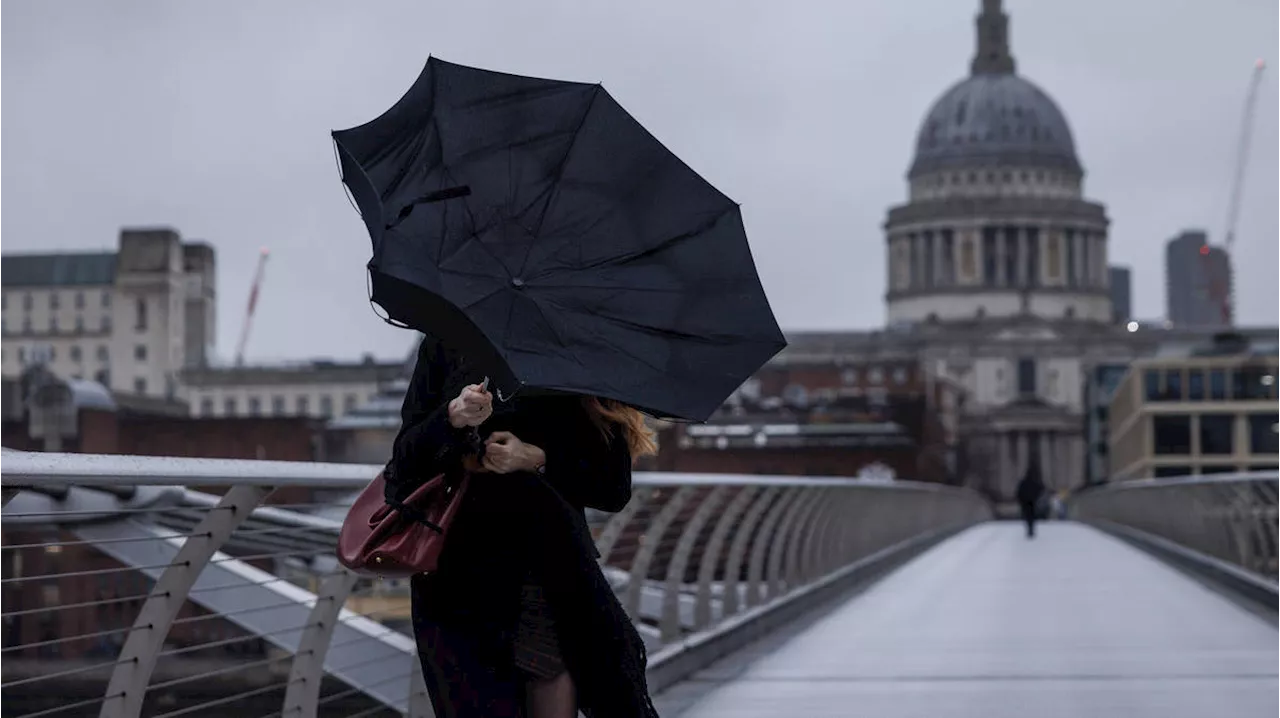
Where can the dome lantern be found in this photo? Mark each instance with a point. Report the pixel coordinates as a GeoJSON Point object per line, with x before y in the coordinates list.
{"type": "Point", "coordinates": [994, 118]}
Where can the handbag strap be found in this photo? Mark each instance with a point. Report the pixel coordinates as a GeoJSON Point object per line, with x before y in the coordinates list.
{"type": "Point", "coordinates": [414, 515]}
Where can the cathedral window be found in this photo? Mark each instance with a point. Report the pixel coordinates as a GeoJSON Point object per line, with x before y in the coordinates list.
{"type": "Point", "coordinates": [1026, 377]}
{"type": "Point", "coordinates": [968, 260]}
{"type": "Point", "coordinates": [1053, 249]}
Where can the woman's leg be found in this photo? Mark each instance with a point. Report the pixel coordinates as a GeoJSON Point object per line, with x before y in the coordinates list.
{"type": "Point", "coordinates": [552, 697]}
{"type": "Point", "coordinates": [461, 677]}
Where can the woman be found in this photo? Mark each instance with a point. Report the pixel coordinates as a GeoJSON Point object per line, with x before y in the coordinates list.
{"type": "Point", "coordinates": [519, 620]}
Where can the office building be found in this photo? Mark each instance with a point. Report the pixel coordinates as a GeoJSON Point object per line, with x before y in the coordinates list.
{"type": "Point", "coordinates": [1198, 282]}
{"type": "Point", "coordinates": [1209, 413]}
{"type": "Point", "coordinates": [1120, 287]}
{"type": "Point", "coordinates": [130, 320]}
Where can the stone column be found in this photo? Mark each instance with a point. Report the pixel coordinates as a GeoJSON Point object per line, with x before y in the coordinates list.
{"type": "Point", "coordinates": [1020, 236]}
{"type": "Point", "coordinates": [1031, 272]}
{"type": "Point", "coordinates": [929, 259]}
{"type": "Point", "coordinates": [1080, 257]}
{"type": "Point", "coordinates": [1048, 467]}
{"type": "Point", "coordinates": [913, 280]}
{"type": "Point", "coordinates": [891, 264]}
{"type": "Point", "coordinates": [1020, 468]}
{"type": "Point", "coordinates": [1087, 275]}
{"type": "Point", "coordinates": [1004, 445]}
{"type": "Point", "coordinates": [1002, 280]}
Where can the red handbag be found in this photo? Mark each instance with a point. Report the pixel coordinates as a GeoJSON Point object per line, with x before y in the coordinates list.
{"type": "Point", "coordinates": [399, 539]}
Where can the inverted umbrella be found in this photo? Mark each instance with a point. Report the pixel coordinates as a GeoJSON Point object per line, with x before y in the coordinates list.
{"type": "Point", "coordinates": [540, 227]}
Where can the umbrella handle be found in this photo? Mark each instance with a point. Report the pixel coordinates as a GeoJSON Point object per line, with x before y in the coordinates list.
{"type": "Point", "coordinates": [497, 390]}
{"type": "Point", "coordinates": [437, 196]}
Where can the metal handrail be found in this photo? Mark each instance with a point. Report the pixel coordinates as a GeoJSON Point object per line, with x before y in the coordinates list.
{"type": "Point", "coordinates": [1202, 479]}
{"type": "Point", "coordinates": [34, 469]}
{"type": "Point", "coordinates": [689, 553]}
{"type": "Point", "coordinates": [1225, 517]}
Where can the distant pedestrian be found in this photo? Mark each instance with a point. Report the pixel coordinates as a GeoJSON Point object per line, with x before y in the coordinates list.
{"type": "Point", "coordinates": [1030, 490]}
{"type": "Point", "coordinates": [1058, 506]}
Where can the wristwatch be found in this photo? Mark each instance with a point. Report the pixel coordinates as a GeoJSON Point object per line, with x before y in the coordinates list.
{"type": "Point", "coordinates": [540, 470]}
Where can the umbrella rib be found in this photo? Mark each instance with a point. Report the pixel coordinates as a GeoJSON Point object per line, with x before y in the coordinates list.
{"type": "Point", "coordinates": [466, 204]}
{"type": "Point", "coordinates": [637, 183]}
{"type": "Point", "coordinates": [393, 184]}
{"type": "Point", "coordinates": [567, 314]}
{"type": "Point", "coordinates": [660, 331]}
{"type": "Point", "coordinates": [474, 236]}
{"type": "Point", "coordinates": [664, 244]}
{"type": "Point", "coordinates": [461, 273]}
{"type": "Point", "coordinates": [482, 298]}
{"type": "Point", "coordinates": [649, 290]}
{"type": "Point", "coordinates": [555, 185]}
{"type": "Point", "coordinates": [560, 338]}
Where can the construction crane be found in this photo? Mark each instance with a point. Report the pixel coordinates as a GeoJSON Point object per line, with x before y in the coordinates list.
{"type": "Point", "coordinates": [253, 302]}
{"type": "Point", "coordinates": [1218, 274]}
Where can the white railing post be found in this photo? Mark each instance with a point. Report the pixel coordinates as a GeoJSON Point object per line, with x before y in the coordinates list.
{"type": "Point", "coordinates": [710, 559]}
{"type": "Point", "coordinates": [669, 623]}
{"type": "Point", "coordinates": [738, 549]}
{"type": "Point", "coordinates": [651, 539]}
{"type": "Point", "coordinates": [127, 688]}
{"type": "Point", "coordinates": [306, 675]}
{"type": "Point", "coordinates": [763, 540]}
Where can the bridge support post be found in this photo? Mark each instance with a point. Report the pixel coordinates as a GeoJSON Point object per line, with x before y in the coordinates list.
{"type": "Point", "coordinates": [737, 550]}
{"type": "Point", "coordinates": [669, 625]}
{"type": "Point", "coordinates": [302, 697]}
{"type": "Point", "coordinates": [785, 576]}
{"type": "Point", "coordinates": [128, 685]}
{"type": "Point", "coordinates": [618, 523]}
{"type": "Point", "coordinates": [711, 554]}
{"type": "Point", "coordinates": [649, 543]}
{"type": "Point", "coordinates": [763, 540]}
{"type": "Point", "coordinates": [784, 544]}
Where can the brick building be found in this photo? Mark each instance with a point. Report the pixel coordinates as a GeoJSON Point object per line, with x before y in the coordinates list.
{"type": "Point", "coordinates": [882, 418]}
{"type": "Point", "coordinates": [43, 412]}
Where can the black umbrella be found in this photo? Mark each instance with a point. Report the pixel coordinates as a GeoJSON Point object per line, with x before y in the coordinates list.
{"type": "Point", "coordinates": [539, 226]}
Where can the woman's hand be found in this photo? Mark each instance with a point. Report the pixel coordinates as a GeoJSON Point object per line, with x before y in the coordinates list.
{"type": "Point", "coordinates": [472, 407]}
{"type": "Point", "coordinates": [505, 454]}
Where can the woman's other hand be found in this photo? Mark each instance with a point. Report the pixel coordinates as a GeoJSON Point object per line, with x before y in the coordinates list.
{"type": "Point", "coordinates": [505, 454]}
{"type": "Point", "coordinates": [472, 407]}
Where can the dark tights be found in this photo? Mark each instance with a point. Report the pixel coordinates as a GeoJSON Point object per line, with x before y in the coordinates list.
{"type": "Point", "coordinates": [551, 697]}
{"type": "Point", "coordinates": [1029, 516]}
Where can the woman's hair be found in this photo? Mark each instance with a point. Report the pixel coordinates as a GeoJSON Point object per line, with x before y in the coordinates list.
{"type": "Point", "coordinates": [607, 413]}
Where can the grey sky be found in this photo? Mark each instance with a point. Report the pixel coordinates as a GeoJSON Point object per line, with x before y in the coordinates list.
{"type": "Point", "coordinates": [213, 117]}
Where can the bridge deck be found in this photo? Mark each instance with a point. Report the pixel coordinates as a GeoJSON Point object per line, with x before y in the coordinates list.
{"type": "Point", "coordinates": [989, 624]}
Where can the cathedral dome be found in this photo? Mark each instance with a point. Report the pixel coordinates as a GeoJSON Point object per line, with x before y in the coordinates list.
{"type": "Point", "coordinates": [994, 118]}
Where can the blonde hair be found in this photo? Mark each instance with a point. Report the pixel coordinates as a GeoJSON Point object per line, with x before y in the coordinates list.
{"type": "Point", "coordinates": [607, 413]}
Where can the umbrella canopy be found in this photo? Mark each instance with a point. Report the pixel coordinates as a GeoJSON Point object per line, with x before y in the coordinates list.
{"type": "Point", "coordinates": [540, 227]}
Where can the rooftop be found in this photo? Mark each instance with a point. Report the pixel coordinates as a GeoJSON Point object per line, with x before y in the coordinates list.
{"type": "Point", "coordinates": [316, 371]}
{"type": "Point", "coordinates": [58, 270]}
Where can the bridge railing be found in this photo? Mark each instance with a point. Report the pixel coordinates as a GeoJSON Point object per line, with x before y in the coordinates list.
{"type": "Point", "coordinates": [1229, 517]}
{"type": "Point", "coordinates": [169, 587]}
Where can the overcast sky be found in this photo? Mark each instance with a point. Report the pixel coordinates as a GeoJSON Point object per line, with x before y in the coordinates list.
{"type": "Point", "coordinates": [214, 118]}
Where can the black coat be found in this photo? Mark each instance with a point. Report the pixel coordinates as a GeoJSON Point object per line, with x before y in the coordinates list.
{"type": "Point", "coordinates": [1031, 488]}
{"type": "Point", "coordinates": [510, 526]}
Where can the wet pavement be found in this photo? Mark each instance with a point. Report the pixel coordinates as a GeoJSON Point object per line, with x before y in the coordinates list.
{"type": "Point", "coordinates": [989, 624]}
